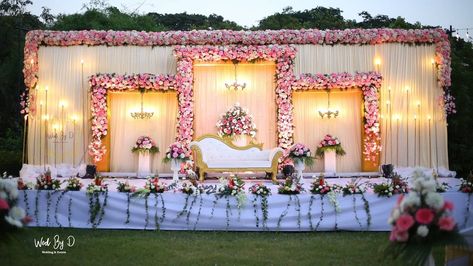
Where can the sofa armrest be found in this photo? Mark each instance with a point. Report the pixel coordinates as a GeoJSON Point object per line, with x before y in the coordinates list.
{"type": "Point", "coordinates": [273, 153]}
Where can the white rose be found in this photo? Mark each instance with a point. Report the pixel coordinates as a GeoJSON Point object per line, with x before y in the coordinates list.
{"type": "Point", "coordinates": [17, 213]}
{"type": "Point", "coordinates": [3, 195]}
{"type": "Point", "coordinates": [422, 231]}
{"type": "Point", "coordinates": [412, 199]}
{"type": "Point", "coordinates": [434, 200]}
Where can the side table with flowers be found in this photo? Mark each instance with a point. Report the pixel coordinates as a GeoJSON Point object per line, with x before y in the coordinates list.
{"type": "Point", "coordinates": [144, 146]}
{"type": "Point", "coordinates": [301, 156]}
{"type": "Point", "coordinates": [177, 154]}
{"type": "Point", "coordinates": [328, 148]}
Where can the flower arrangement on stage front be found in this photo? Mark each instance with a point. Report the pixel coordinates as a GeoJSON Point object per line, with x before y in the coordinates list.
{"type": "Point", "coordinates": [232, 186]}
{"type": "Point", "coordinates": [192, 188]}
{"type": "Point", "coordinates": [145, 144]}
{"type": "Point", "coordinates": [235, 122]}
{"type": "Point", "coordinates": [442, 187]}
{"type": "Point", "coordinates": [301, 153]}
{"type": "Point", "coordinates": [466, 185]}
{"type": "Point", "coordinates": [321, 187]}
{"type": "Point", "coordinates": [125, 187]}
{"type": "Point", "coordinates": [97, 185]}
{"type": "Point", "coordinates": [46, 182]}
{"type": "Point", "coordinates": [11, 216]}
{"type": "Point", "coordinates": [73, 184]}
{"type": "Point", "coordinates": [420, 220]}
{"type": "Point", "coordinates": [397, 185]}
{"type": "Point", "coordinates": [329, 143]}
{"type": "Point", "coordinates": [290, 186]}
{"type": "Point", "coordinates": [21, 185]}
{"type": "Point", "coordinates": [177, 151]}
{"type": "Point", "coordinates": [353, 187]}
{"type": "Point", "coordinates": [259, 189]}
{"type": "Point", "coordinates": [154, 186]}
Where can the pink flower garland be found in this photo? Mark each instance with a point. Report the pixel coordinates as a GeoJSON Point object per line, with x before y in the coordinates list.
{"type": "Point", "coordinates": [102, 83]}
{"type": "Point", "coordinates": [369, 83]}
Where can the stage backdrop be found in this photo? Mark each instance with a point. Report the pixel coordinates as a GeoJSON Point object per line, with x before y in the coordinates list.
{"type": "Point", "coordinates": [402, 66]}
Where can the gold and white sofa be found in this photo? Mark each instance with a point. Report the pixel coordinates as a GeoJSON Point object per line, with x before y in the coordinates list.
{"type": "Point", "coordinates": [215, 154]}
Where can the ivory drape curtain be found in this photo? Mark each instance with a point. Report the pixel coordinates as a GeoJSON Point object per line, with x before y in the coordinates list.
{"type": "Point", "coordinates": [212, 98]}
{"type": "Point", "coordinates": [125, 130]}
{"type": "Point", "coordinates": [406, 142]}
{"type": "Point", "coordinates": [310, 128]}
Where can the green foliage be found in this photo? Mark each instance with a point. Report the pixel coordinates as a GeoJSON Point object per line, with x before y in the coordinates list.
{"type": "Point", "coordinates": [184, 21]}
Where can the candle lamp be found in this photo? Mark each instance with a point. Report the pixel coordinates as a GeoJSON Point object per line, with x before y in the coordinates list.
{"type": "Point", "coordinates": [377, 63]}
{"type": "Point", "coordinates": [407, 125]}
{"type": "Point", "coordinates": [398, 119]}
{"type": "Point", "coordinates": [23, 158]}
{"type": "Point", "coordinates": [430, 142]}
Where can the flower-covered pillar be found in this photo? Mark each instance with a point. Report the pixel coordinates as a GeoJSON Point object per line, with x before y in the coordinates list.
{"type": "Point", "coordinates": [184, 81]}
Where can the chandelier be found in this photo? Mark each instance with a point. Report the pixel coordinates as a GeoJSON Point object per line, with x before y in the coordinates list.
{"type": "Point", "coordinates": [328, 113]}
{"type": "Point", "coordinates": [142, 114]}
{"type": "Point", "coordinates": [235, 85]}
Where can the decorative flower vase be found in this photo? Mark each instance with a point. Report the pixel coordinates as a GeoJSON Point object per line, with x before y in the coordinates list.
{"type": "Point", "coordinates": [299, 166]}
{"type": "Point", "coordinates": [330, 162]}
{"type": "Point", "coordinates": [144, 164]}
{"type": "Point", "coordinates": [175, 167]}
{"type": "Point", "coordinates": [240, 140]}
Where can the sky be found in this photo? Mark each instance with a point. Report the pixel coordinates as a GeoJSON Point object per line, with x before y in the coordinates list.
{"type": "Point", "coordinates": [458, 13]}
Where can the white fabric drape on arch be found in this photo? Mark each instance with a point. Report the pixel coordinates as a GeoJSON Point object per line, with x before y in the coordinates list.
{"type": "Point", "coordinates": [125, 130]}
{"type": "Point", "coordinates": [310, 128]}
{"type": "Point", "coordinates": [61, 71]}
{"type": "Point", "coordinates": [406, 143]}
{"type": "Point", "coordinates": [212, 98]}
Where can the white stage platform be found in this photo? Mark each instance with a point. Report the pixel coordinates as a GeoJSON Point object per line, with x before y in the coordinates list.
{"type": "Point", "coordinates": [173, 210]}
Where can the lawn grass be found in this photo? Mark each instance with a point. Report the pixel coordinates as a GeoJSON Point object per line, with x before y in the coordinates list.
{"type": "Point", "coordinates": [125, 247]}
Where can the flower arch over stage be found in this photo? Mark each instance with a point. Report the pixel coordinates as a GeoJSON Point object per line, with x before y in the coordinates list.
{"type": "Point", "coordinates": [100, 84]}
{"type": "Point", "coordinates": [369, 83]}
{"type": "Point", "coordinates": [283, 55]}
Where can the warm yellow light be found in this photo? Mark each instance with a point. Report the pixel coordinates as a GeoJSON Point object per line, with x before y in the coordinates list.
{"type": "Point", "coordinates": [388, 102]}
{"type": "Point", "coordinates": [41, 103]}
{"type": "Point", "coordinates": [74, 118]}
{"type": "Point", "coordinates": [428, 117]}
{"type": "Point", "coordinates": [377, 61]}
{"type": "Point", "coordinates": [46, 117]}
{"type": "Point", "coordinates": [415, 117]}
{"type": "Point", "coordinates": [418, 103]}
{"type": "Point", "coordinates": [432, 61]}
{"type": "Point", "coordinates": [26, 117]}
{"type": "Point", "coordinates": [407, 88]}
{"type": "Point", "coordinates": [56, 126]}
{"type": "Point", "coordinates": [81, 61]}
{"type": "Point", "coordinates": [397, 117]}
{"type": "Point", "coordinates": [62, 104]}
{"type": "Point", "coordinates": [32, 61]}
{"type": "Point", "coordinates": [389, 88]}
{"type": "Point", "coordinates": [46, 89]}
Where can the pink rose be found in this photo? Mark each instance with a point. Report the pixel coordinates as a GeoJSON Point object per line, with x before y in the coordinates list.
{"type": "Point", "coordinates": [4, 205]}
{"type": "Point", "coordinates": [448, 205]}
{"type": "Point", "coordinates": [446, 223]}
{"type": "Point", "coordinates": [404, 222]}
{"type": "Point", "coordinates": [401, 236]}
{"type": "Point", "coordinates": [424, 216]}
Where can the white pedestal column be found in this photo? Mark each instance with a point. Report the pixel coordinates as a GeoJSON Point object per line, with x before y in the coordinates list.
{"type": "Point", "coordinates": [144, 164]}
{"type": "Point", "coordinates": [299, 166]}
{"type": "Point", "coordinates": [330, 162]}
{"type": "Point", "coordinates": [175, 167]}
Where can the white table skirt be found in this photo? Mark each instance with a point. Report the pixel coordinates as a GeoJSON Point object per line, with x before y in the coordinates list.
{"type": "Point", "coordinates": [281, 210]}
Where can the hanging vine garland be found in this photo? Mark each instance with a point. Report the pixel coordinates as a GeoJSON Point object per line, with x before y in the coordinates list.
{"type": "Point", "coordinates": [146, 210]}
{"type": "Point", "coordinates": [48, 206]}
{"type": "Point", "coordinates": [27, 204]}
{"type": "Point", "coordinates": [214, 204]}
{"type": "Point", "coordinates": [228, 210]}
{"type": "Point", "coordinates": [354, 210]}
{"type": "Point", "coordinates": [36, 207]}
{"type": "Point", "coordinates": [284, 213]}
{"type": "Point", "coordinates": [321, 211]}
{"type": "Point", "coordinates": [367, 210]}
{"type": "Point", "coordinates": [128, 199]}
{"type": "Point", "coordinates": [255, 209]}
{"type": "Point", "coordinates": [59, 198]}
{"type": "Point", "coordinates": [184, 209]}
{"type": "Point", "coordinates": [198, 213]}
{"type": "Point", "coordinates": [69, 212]}
{"type": "Point", "coordinates": [298, 210]}
{"type": "Point", "coordinates": [156, 220]}
{"type": "Point", "coordinates": [190, 210]}
{"type": "Point", "coordinates": [163, 208]}
{"type": "Point", "coordinates": [309, 212]}
{"type": "Point", "coordinates": [467, 211]}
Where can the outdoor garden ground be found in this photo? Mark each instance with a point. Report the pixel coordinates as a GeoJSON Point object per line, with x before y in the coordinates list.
{"type": "Point", "coordinates": [126, 247]}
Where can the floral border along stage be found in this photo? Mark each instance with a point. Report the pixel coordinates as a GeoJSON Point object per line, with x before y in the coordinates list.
{"type": "Point", "coordinates": [36, 38]}
{"type": "Point", "coordinates": [100, 84]}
